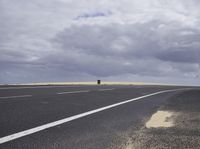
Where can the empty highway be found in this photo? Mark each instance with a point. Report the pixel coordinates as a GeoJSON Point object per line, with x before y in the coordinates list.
{"type": "Point", "coordinates": [98, 117]}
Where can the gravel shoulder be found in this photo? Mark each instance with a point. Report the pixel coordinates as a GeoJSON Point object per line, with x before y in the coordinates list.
{"type": "Point", "coordinates": [183, 134]}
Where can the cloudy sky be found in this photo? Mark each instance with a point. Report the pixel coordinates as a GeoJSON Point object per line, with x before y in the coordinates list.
{"type": "Point", "coordinates": [113, 40]}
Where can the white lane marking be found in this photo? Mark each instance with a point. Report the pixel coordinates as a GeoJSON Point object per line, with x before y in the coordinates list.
{"type": "Point", "coordinates": [73, 92]}
{"type": "Point", "coordinates": [21, 96]}
{"type": "Point", "coordinates": [29, 87]}
{"type": "Point", "coordinates": [65, 120]}
{"type": "Point", "coordinates": [105, 89]}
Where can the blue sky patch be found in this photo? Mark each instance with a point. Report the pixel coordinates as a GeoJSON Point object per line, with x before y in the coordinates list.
{"type": "Point", "coordinates": [93, 14]}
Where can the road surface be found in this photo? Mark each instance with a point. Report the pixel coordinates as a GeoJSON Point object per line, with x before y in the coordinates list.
{"type": "Point", "coordinates": [98, 117]}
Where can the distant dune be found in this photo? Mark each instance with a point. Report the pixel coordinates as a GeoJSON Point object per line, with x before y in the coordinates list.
{"type": "Point", "coordinates": [93, 83]}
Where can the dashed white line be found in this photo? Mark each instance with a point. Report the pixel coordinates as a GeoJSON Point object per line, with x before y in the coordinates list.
{"type": "Point", "coordinates": [73, 92]}
{"type": "Point", "coordinates": [84, 91]}
{"type": "Point", "coordinates": [110, 89]}
{"type": "Point", "coordinates": [30, 87]}
{"type": "Point", "coordinates": [21, 96]}
{"type": "Point", "coordinates": [65, 120]}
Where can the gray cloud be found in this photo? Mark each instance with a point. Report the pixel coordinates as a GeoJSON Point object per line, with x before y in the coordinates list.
{"type": "Point", "coordinates": [131, 48]}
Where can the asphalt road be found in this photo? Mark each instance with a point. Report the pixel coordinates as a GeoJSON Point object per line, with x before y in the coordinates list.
{"type": "Point", "coordinates": [120, 126]}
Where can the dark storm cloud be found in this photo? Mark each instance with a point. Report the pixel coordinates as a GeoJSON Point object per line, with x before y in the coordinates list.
{"type": "Point", "coordinates": [181, 55]}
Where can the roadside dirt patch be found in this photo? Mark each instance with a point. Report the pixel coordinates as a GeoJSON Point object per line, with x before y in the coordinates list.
{"type": "Point", "coordinates": [161, 119]}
